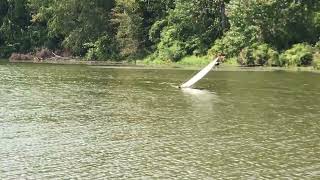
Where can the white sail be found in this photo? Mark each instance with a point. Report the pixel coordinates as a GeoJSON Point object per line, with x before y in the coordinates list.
{"type": "Point", "coordinates": [200, 74]}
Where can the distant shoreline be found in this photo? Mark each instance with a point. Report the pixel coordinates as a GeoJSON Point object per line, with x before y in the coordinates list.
{"type": "Point", "coordinates": [127, 65]}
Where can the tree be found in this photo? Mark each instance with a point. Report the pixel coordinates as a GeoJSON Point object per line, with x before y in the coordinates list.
{"type": "Point", "coordinates": [128, 23]}
{"type": "Point", "coordinates": [190, 28]}
{"type": "Point", "coordinates": [14, 28]}
{"type": "Point", "coordinates": [165, 29]}
{"type": "Point", "coordinates": [80, 22]}
{"type": "Point", "coordinates": [3, 9]}
{"type": "Point", "coordinates": [133, 20]}
{"type": "Point", "coordinates": [277, 23]}
{"type": "Point", "coordinates": [3, 12]}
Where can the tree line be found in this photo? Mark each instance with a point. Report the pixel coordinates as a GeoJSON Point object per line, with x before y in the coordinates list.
{"type": "Point", "coordinates": [249, 32]}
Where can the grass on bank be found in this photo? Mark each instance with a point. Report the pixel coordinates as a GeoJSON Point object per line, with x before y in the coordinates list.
{"type": "Point", "coordinates": [231, 64]}
{"type": "Point", "coordinates": [193, 62]}
{"type": "Point", "coordinates": [188, 61]}
{"type": "Point", "coordinates": [299, 56]}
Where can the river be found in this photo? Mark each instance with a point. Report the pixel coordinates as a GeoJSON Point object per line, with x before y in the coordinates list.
{"type": "Point", "coordinates": [86, 122]}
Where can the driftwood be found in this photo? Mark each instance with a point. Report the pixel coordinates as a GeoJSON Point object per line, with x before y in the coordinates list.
{"type": "Point", "coordinates": [57, 57]}
{"type": "Point", "coordinates": [24, 57]}
{"type": "Point", "coordinates": [43, 54]}
{"type": "Point", "coordinates": [40, 56]}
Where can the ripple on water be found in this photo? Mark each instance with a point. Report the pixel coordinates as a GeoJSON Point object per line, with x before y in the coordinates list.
{"type": "Point", "coordinates": [75, 122]}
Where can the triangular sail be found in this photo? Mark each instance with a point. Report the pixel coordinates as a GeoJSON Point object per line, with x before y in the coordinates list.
{"type": "Point", "coordinates": [200, 74]}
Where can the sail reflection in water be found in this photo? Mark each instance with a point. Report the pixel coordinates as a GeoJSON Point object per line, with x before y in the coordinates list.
{"type": "Point", "coordinates": [201, 99]}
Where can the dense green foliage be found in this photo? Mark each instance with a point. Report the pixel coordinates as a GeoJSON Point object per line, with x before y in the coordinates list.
{"type": "Point", "coordinates": [277, 25]}
{"type": "Point", "coordinates": [190, 28]}
{"type": "Point", "coordinates": [251, 32]}
{"type": "Point", "coordinates": [316, 61]}
{"type": "Point", "coordinates": [259, 54]}
{"type": "Point", "coordinates": [298, 55]}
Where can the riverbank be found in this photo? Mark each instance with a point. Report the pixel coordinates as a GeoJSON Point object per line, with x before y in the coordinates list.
{"type": "Point", "coordinates": [143, 65]}
{"type": "Point", "coordinates": [228, 67]}
{"type": "Point", "coordinates": [73, 62]}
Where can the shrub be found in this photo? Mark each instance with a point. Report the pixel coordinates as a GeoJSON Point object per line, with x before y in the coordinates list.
{"type": "Point", "coordinates": [299, 55]}
{"type": "Point", "coordinates": [316, 61]}
{"type": "Point", "coordinates": [169, 49]}
{"type": "Point", "coordinates": [234, 41]}
{"type": "Point", "coordinates": [317, 46]}
{"type": "Point", "coordinates": [259, 55]}
{"type": "Point", "coordinates": [103, 49]}
{"type": "Point", "coordinates": [173, 51]}
{"type": "Point", "coordinates": [153, 60]}
{"type": "Point", "coordinates": [194, 60]}
{"type": "Point", "coordinates": [232, 61]}
{"type": "Point", "coordinates": [246, 57]}
{"type": "Point", "coordinates": [273, 58]}
{"type": "Point", "coordinates": [230, 44]}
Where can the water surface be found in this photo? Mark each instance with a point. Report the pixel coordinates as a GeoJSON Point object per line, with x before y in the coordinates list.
{"type": "Point", "coordinates": [99, 123]}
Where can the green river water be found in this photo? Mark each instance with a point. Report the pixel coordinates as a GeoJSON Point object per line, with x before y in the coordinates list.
{"type": "Point", "coordinates": [84, 122]}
